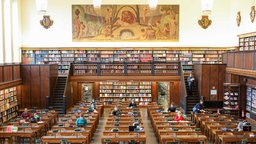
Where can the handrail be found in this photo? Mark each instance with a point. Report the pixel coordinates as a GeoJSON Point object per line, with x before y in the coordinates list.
{"type": "Point", "coordinates": [65, 89]}
{"type": "Point", "coordinates": [183, 91]}
{"type": "Point", "coordinates": [154, 69]}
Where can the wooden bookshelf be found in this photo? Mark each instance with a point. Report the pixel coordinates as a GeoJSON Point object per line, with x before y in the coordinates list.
{"type": "Point", "coordinates": [231, 98]}
{"type": "Point", "coordinates": [247, 42]}
{"type": "Point", "coordinates": [125, 91]}
{"type": "Point", "coordinates": [63, 57]}
{"type": "Point", "coordinates": [8, 104]}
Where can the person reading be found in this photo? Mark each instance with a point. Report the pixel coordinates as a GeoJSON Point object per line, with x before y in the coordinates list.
{"type": "Point", "coordinates": [81, 121]}
{"type": "Point", "coordinates": [179, 117]}
{"type": "Point", "coordinates": [115, 111]}
{"type": "Point", "coordinates": [199, 108]}
{"type": "Point", "coordinates": [172, 108]}
{"type": "Point", "coordinates": [132, 104]}
{"type": "Point", "coordinates": [190, 81]}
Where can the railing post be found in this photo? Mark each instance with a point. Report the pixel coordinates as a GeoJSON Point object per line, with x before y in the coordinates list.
{"type": "Point", "coordinates": [47, 102]}
{"type": "Point", "coordinates": [64, 103]}
{"type": "Point", "coordinates": [179, 68]}
{"type": "Point", "coordinates": [152, 69]}
{"type": "Point", "coordinates": [185, 105]}
{"type": "Point", "coordinates": [98, 69]}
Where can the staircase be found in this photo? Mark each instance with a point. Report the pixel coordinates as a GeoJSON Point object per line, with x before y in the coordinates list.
{"type": "Point", "coordinates": [58, 92]}
{"type": "Point", "coordinates": [192, 98]}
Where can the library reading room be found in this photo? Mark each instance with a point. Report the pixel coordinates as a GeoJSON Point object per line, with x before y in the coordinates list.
{"type": "Point", "coordinates": [127, 72]}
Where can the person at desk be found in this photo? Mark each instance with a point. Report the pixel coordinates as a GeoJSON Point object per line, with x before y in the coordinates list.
{"type": "Point", "coordinates": [26, 114]}
{"type": "Point", "coordinates": [132, 104]}
{"type": "Point", "coordinates": [198, 108]}
{"type": "Point", "coordinates": [179, 117]}
{"type": "Point", "coordinates": [93, 103]}
{"type": "Point", "coordinates": [241, 125]}
{"type": "Point", "coordinates": [115, 111]}
{"type": "Point", "coordinates": [91, 108]}
{"type": "Point", "coordinates": [172, 108]}
{"type": "Point", "coordinates": [81, 121]}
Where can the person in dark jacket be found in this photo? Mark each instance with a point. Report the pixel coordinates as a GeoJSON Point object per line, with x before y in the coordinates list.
{"type": "Point", "coordinates": [26, 114]}
{"type": "Point", "coordinates": [172, 108]}
{"type": "Point", "coordinates": [199, 108]}
{"type": "Point", "coordinates": [132, 104]}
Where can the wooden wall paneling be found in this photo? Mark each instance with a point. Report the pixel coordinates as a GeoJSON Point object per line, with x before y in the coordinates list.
{"type": "Point", "coordinates": [19, 92]}
{"type": "Point", "coordinates": [238, 60]}
{"type": "Point", "coordinates": [224, 58]}
{"type": "Point", "coordinates": [16, 72]}
{"type": "Point", "coordinates": [26, 86]}
{"type": "Point", "coordinates": [154, 91]}
{"type": "Point", "coordinates": [248, 61]}
{"type": "Point", "coordinates": [227, 78]}
{"type": "Point", "coordinates": [242, 103]}
{"type": "Point", "coordinates": [230, 59]}
{"type": "Point", "coordinates": [198, 77]}
{"type": "Point", "coordinates": [221, 80]}
{"type": "Point", "coordinates": [79, 91]}
{"type": "Point", "coordinates": [75, 90]}
{"type": "Point", "coordinates": [175, 93]}
{"type": "Point", "coordinates": [1, 73]}
{"type": "Point", "coordinates": [205, 82]}
{"type": "Point", "coordinates": [213, 81]}
{"type": "Point", "coordinates": [96, 90]}
{"type": "Point", "coordinates": [44, 84]}
{"type": "Point", "coordinates": [53, 76]}
{"type": "Point", "coordinates": [234, 78]}
{"type": "Point", "coordinates": [35, 97]}
{"type": "Point", "coordinates": [254, 61]}
{"type": "Point", "coordinates": [8, 75]}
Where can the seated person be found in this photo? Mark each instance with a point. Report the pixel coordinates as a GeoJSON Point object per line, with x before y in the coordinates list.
{"type": "Point", "coordinates": [172, 108]}
{"type": "Point", "coordinates": [91, 108]}
{"type": "Point", "coordinates": [199, 108]}
{"type": "Point", "coordinates": [241, 125]}
{"type": "Point", "coordinates": [179, 117]}
{"type": "Point", "coordinates": [132, 104]}
{"type": "Point", "coordinates": [36, 117]}
{"type": "Point", "coordinates": [136, 123]}
{"type": "Point", "coordinates": [115, 111]}
{"type": "Point", "coordinates": [26, 114]}
{"type": "Point", "coordinates": [139, 128]}
{"type": "Point", "coordinates": [81, 121]}
{"type": "Point", "coordinates": [94, 103]}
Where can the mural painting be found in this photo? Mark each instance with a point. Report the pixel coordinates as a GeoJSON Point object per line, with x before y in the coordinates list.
{"type": "Point", "coordinates": [125, 23]}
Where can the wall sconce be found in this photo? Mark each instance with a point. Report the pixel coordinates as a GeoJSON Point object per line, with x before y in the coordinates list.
{"type": "Point", "coordinates": [97, 3]}
{"type": "Point", "coordinates": [152, 4]}
{"type": "Point", "coordinates": [206, 6]}
{"type": "Point", "coordinates": [41, 5]}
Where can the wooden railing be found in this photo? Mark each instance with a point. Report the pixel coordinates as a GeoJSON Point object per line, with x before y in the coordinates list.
{"type": "Point", "coordinates": [126, 69]}
{"type": "Point", "coordinates": [240, 62]}
{"type": "Point", "coordinates": [67, 97]}
{"type": "Point", "coordinates": [183, 92]}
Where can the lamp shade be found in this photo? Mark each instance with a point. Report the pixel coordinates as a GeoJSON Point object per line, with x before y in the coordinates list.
{"type": "Point", "coordinates": [41, 5]}
{"type": "Point", "coordinates": [97, 3]}
{"type": "Point", "coordinates": [207, 6]}
{"type": "Point", "coordinates": [152, 4]}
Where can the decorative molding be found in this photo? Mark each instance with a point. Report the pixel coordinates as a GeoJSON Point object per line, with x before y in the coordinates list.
{"type": "Point", "coordinates": [4, 85]}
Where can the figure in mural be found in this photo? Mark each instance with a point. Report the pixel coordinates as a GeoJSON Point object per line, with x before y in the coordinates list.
{"type": "Point", "coordinates": [145, 12]}
{"type": "Point", "coordinates": [82, 30]}
{"type": "Point", "coordinates": [77, 23]}
{"type": "Point", "coordinates": [108, 16]}
{"type": "Point", "coordinates": [172, 24]}
{"type": "Point", "coordinates": [128, 17]}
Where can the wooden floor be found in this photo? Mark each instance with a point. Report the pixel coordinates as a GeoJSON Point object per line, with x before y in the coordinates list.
{"type": "Point", "coordinates": [151, 138]}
